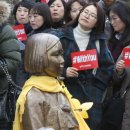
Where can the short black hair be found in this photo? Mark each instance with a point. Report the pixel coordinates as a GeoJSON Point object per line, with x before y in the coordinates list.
{"type": "Point", "coordinates": [43, 10]}
{"type": "Point", "coordinates": [51, 1]}
{"type": "Point", "coordinates": [27, 4]}
{"type": "Point", "coordinates": [63, 2]}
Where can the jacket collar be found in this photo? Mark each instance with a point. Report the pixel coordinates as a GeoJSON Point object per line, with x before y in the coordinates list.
{"type": "Point", "coordinates": [68, 33]}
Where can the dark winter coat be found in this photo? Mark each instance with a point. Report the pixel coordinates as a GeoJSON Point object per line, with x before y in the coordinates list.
{"type": "Point", "coordinates": [116, 46]}
{"type": "Point", "coordinates": [104, 72]}
{"type": "Point", "coordinates": [123, 81]}
{"type": "Point", "coordinates": [22, 75]}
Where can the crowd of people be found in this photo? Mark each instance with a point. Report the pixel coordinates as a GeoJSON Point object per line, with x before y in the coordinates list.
{"type": "Point", "coordinates": [43, 65]}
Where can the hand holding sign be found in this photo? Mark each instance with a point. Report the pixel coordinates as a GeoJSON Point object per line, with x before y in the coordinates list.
{"type": "Point", "coordinates": [71, 72]}
{"type": "Point", "coordinates": [120, 66]}
{"type": "Point", "coordinates": [85, 59]}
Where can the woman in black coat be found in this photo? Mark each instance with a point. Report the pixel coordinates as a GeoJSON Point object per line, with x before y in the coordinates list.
{"type": "Point", "coordinates": [86, 33]}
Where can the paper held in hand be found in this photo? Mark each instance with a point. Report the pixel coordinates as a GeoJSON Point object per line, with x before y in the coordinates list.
{"type": "Point", "coordinates": [84, 60]}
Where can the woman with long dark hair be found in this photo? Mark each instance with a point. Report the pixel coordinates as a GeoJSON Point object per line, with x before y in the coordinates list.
{"type": "Point", "coordinates": [119, 15]}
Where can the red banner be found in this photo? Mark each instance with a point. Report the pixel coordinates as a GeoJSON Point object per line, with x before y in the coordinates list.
{"type": "Point", "coordinates": [84, 60]}
{"type": "Point", "coordinates": [44, 1]}
{"type": "Point", "coordinates": [20, 32]}
{"type": "Point", "coordinates": [126, 56]}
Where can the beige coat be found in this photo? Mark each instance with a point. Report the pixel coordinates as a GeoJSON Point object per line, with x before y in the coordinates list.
{"type": "Point", "coordinates": [48, 110]}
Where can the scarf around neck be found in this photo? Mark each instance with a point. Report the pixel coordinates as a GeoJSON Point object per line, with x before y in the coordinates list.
{"type": "Point", "coordinates": [52, 85]}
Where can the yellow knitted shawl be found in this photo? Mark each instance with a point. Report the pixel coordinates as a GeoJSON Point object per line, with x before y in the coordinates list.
{"type": "Point", "coordinates": [47, 84]}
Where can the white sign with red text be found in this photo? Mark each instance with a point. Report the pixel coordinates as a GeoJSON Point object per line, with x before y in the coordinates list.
{"type": "Point", "coordinates": [126, 56]}
{"type": "Point", "coordinates": [84, 60]}
{"type": "Point", "coordinates": [20, 32]}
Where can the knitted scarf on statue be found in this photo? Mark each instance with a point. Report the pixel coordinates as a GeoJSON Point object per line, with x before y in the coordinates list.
{"type": "Point", "coordinates": [47, 84]}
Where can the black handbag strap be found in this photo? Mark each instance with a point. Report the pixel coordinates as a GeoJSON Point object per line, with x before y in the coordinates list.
{"type": "Point", "coordinates": [3, 65]}
{"type": "Point", "coordinates": [125, 91]}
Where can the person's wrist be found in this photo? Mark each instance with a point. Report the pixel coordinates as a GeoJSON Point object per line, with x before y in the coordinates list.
{"type": "Point", "coordinates": [121, 73]}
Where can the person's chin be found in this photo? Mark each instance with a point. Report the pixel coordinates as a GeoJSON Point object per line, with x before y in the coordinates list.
{"type": "Point", "coordinates": [23, 22]}
{"type": "Point", "coordinates": [34, 28]}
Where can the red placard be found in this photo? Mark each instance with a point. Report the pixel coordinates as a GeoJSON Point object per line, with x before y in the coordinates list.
{"type": "Point", "coordinates": [126, 56]}
{"type": "Point", "coordinates": [20, 32]}
{"type": "Point", "coordinates": [44, 1]}
{"type": "Point", "coordinates": [84, 60]}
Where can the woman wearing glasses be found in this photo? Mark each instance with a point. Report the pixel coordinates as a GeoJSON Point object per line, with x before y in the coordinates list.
{"type": "Point", "coordinates": [86, 33]}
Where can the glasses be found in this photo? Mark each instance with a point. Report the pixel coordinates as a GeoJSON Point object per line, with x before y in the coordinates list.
{"type": "Point", "coordinates": [90, 15]}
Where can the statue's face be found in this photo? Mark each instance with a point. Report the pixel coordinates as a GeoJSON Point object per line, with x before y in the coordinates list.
{"type": "Point", "coordinates": [55, 60]}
